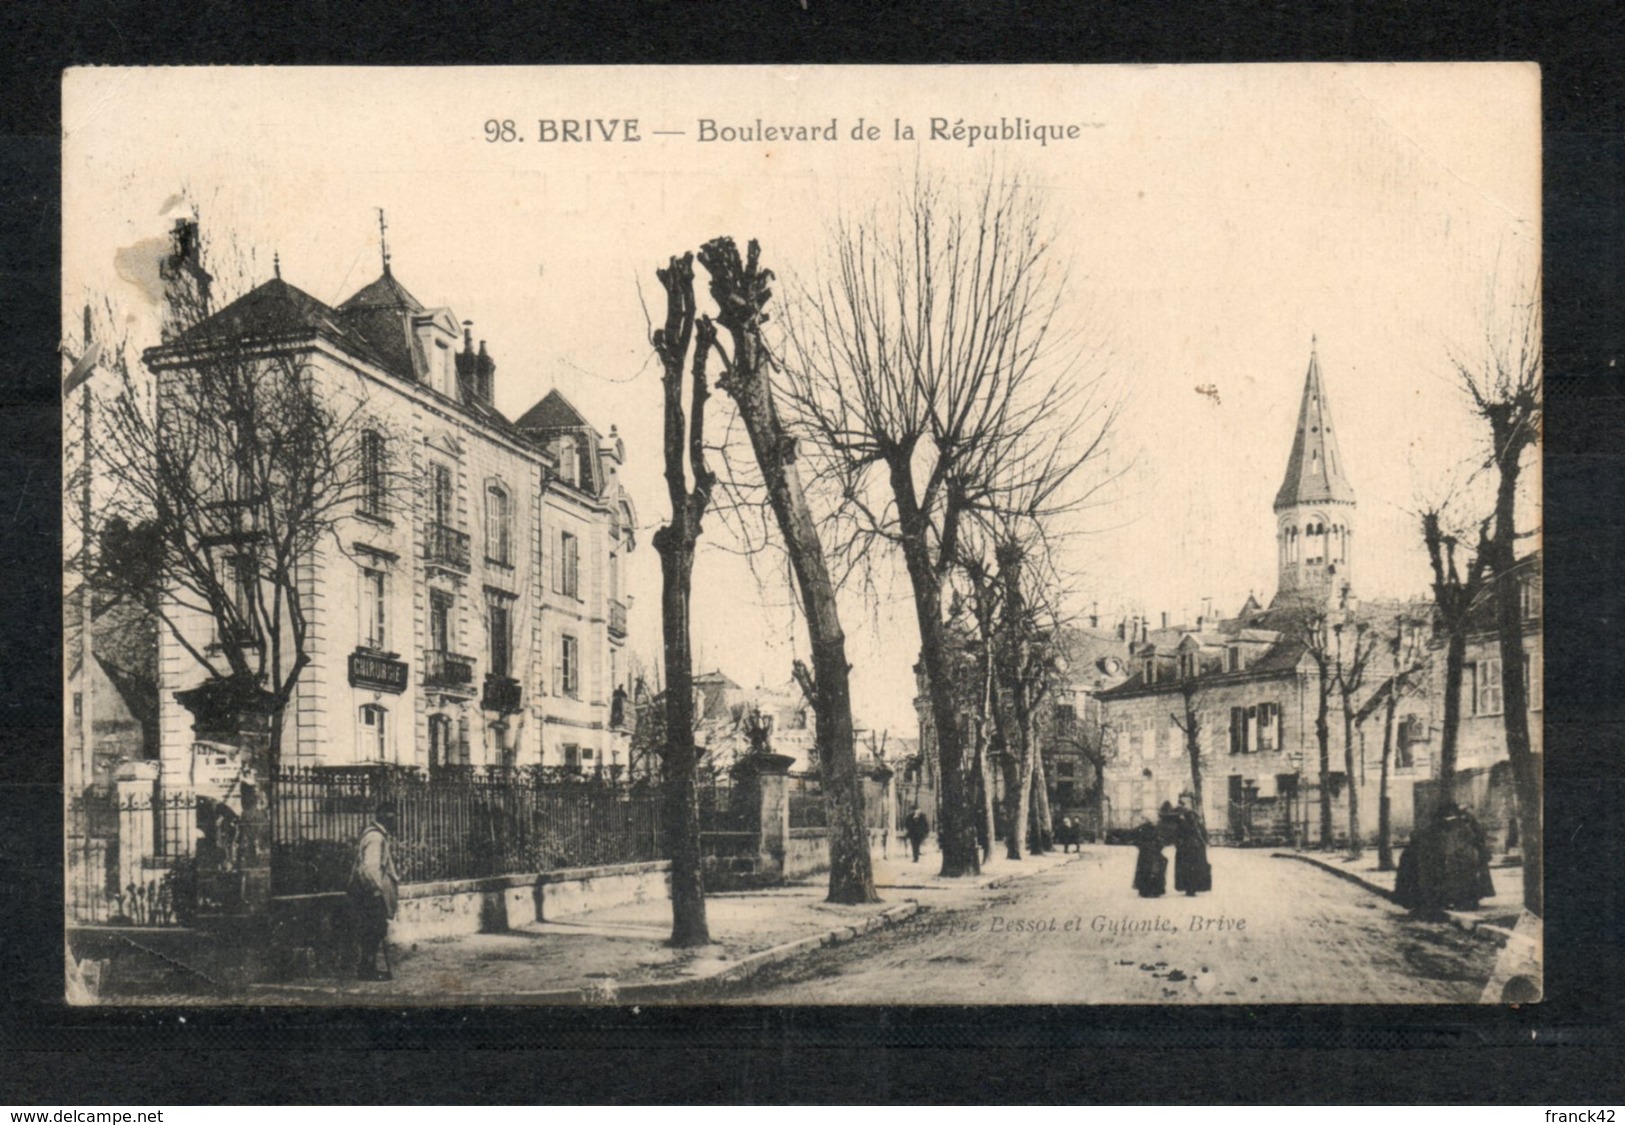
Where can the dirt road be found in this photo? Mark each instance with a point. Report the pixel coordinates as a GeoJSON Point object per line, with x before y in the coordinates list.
{"type": "Point", "coordinates": [1271, 931]}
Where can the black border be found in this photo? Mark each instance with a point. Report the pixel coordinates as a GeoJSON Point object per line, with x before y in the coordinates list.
{"type": "Point", "coordinates": [1565, 1050]}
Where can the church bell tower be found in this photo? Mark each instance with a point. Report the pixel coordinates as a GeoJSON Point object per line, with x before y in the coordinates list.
{"type": "Point", "coordinates": [1314, 509]}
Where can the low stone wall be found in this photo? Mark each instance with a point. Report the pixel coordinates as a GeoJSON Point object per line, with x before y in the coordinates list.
{"type": "Point", "coordinates": [806, 852]}
{"type": "Point", "coordinates": [313, 929]}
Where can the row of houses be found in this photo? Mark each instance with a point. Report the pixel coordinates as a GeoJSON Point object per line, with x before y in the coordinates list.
{"type": "Point", "coordinates": [1115, 739]}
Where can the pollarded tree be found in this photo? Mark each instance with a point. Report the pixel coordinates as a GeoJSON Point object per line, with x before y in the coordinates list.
{"type": "Point", "coordinates": [1457, 584]}
{"type": "Point", "coordinates": [1354, 647]}
{"type": "Point", "coordinates": [684, 341]}
{"type": "Point", "coordinates": [1504, 383]}
{"type": "Point", "coordinates": [741, 289]}
{"type": "Point", "coordinates": [928, 371]}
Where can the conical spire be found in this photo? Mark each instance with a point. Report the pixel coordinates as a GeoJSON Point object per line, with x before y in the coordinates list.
{"type": "Point", "coordinates": [1314, 472]}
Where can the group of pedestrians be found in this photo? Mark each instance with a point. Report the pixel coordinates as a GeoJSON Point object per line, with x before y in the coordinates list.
{"type": "Point", "coordinates": [1181, 826]}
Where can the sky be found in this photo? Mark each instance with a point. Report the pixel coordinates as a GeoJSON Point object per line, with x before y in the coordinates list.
{"type": "Point", "coordinates": [1213, 220]}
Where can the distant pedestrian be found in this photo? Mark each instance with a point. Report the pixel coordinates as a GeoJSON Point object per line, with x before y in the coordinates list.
{"type": "Point", "coordinates": [917, 827]}
{"type": "Point", "coordinates": [1068, 832]}
{"type": "Point", "coordinates": [1192, 872]}
{"type": "Point", "coordinates": [1150, 866]}
{"type": "Point", "coordinates": [374, 891]}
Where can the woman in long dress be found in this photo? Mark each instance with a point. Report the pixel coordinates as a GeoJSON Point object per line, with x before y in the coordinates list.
{"type": "Point", "coordinates": [1192, 873]}
{"type": "Point", "coordinates": [1151, 866]}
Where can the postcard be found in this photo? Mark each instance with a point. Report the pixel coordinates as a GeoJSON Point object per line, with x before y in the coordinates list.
{"type": "Point", "coordinates": [802, 535]}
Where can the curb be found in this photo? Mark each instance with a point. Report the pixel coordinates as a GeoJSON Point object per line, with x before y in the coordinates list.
{"type": "Point", "coordinates": [1379, 891]}
{"type": "Point", "coordinates": [608, 992]}
{"type": "Point", "coordinates": [1466, 923]}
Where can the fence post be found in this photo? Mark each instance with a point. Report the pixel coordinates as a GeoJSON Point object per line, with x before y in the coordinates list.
{"type": "Point", "coordinates": [238, 712]}
{"type": "Point", "coordinates": [769, 774]}
{"type": "Point", "coordinates": [135, 784]}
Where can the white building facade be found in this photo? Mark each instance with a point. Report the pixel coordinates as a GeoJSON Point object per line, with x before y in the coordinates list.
{"type": "Point", "coordinates": [468, 611]}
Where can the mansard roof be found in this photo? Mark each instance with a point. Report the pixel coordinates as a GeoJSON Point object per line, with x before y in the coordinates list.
{"type": "Point", "coordinates": [273, 312]}
{"type": "Point", "coordinates": [1314, 471]}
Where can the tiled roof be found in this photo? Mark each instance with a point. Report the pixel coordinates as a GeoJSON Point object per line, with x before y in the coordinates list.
{"type": "Point", "coordinates": [1314, 472]}
{"type": "Point", "coordinates": [1279, 659]}
{"type": "Point", "coordinates": [273, 311]}
{"type": "Point", "coordinates": [385, 293]}
{"type": "Point", "coordinates": [552, 413]}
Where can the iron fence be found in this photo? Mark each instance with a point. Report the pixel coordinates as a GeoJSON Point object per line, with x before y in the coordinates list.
{"type": "Point", "coordinates": [129, 859]}
{"type": "Point", "coordinates": [806, 793]}
{"type": "Point", "coordinates": [722, 805]}
{"type": "Point", "coordinates": [456, 825]}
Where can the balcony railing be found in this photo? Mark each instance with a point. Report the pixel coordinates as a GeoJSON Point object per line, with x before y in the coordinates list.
{"type": "Point", "coordinates": [617, 619]}
{"type": "Point", "coordinates": [446, 546]}
{"type": "Point", "coordinates": [502, 694]}
{"type": "Point", "coordinates": [447, 670]}
{"type": "Point", "coordinates": [377, 671]}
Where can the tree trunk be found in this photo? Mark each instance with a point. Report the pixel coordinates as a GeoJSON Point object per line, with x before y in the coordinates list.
{"type": "Point", "coordinates": [682, 813]}
{"type": "Point", "coordinates": [1356, 847]}
{"type": "Point", "coordinates": [1510, 440]}
{"type": "Point", "coordinates": [955, 832]}
{"type": "Point", "coordinates": [1385, 824]}
{"type": "Point", "coordinates": [1193, 747]}
{"type": "Point", "coordinates": [986, 824]}
{"type": "Point", "coordinates": [1323, 740]}
{"type": "Point", "coordinates": [1043, 819]}
{"type": "Point", "coordinates": [740, 293]}
{"type": "Point", "coordinates": [1455, 661]}
{"type": "Point", "coordinates": [675, 544]}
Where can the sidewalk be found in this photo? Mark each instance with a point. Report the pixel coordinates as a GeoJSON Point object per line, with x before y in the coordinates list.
{"type": "Point", "coordinates": [1494, 918]}
{"type": "Point", "coordinates": [619, 955]}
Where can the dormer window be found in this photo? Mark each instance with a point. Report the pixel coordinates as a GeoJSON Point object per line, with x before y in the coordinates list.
{"type": "Point", "coordinates": [1233, 654]}
{"type": "Point", "coordinates": [1188, 665]}
{"type": "Point", "coordinates": [569, 461]}
{"type": "Point", "coordinates": [443, 366]}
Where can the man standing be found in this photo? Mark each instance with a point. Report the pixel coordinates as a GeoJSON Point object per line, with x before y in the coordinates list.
{"type": "Point", "coordinates": [374, 891]}
{"type": "Point", "coordinates": [918, 827]}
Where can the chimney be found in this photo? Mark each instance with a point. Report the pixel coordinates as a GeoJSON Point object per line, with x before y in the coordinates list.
{"type": "Point", "coordinates": [1122, 630]}
{"type": "Point", "coordinates": [1165, 619]}
{"type": "Point", "coordinates": [186, 283]}
{"type": "Point", "coordinates": [485, 375]}
{"type": "Point", "coordinates": [1201, 619]}
{"type": "Point", "coordinates": [467, 384]}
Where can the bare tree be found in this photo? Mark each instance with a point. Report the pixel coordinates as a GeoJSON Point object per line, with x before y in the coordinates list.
{"type": "Point", "coordinates": [929, 374]}
{"type": "Point", "coordinates": [1457, 585]}
{"type": "Point", "coordinates": [1407, 662]}
{"type": "Point", "coordinates": [741, 290]}
{"type": "Point", "coordinates": [1505, 386]}
{"type": "Point", "coordinates": [684, 440]}
{"type": "Point", "coordinates": [1351, 665]}
{"type": "Point", "coordinates": [1314, 632]}
{"type": "Point", "coordinates": [1190, 723]}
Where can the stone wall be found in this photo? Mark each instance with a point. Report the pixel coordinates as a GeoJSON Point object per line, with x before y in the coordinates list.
{"type": "Point", "coordinates": [314, 930]}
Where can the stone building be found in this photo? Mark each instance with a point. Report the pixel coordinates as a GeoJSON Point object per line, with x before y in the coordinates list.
{"type": "Point", "coordinates": [1483, 782]}
{"type": "Point", "coordinates": [1251, 683]}
{"type": "Point", "coordinates": [469, 611]}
